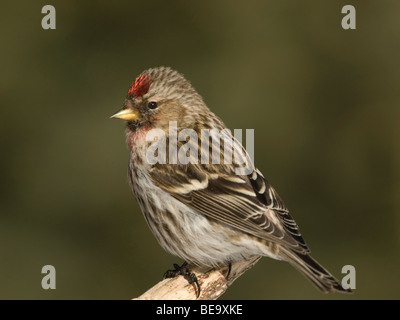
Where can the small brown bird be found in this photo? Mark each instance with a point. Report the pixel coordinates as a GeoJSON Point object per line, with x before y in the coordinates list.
{"type": "Point", "coordinates": [209, 213]}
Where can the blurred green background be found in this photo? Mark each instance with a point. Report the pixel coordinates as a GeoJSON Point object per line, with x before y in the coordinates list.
{"type": "Point", "coordinates": [324, 103]}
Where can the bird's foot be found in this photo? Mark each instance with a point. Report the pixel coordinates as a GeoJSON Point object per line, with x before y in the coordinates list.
{"type": "Point", "coordinates": [184, 271]}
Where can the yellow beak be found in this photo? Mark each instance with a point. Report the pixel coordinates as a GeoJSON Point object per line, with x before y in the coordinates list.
{"type": "Point", "coordinates": [126, 114]}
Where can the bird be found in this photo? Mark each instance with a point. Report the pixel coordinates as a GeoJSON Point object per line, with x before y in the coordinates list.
{"type": "Point", "coordinates": [201, 205]}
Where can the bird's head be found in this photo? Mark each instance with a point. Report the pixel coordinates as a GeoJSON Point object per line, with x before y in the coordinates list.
{"type": "Point", "coordinates": [158, 96]}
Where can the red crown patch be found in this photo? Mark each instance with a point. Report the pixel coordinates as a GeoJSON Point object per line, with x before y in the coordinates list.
{"type": "Point", "coordinates": [140, 86]}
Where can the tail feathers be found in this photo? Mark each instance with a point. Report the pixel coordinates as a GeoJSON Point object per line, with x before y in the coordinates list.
{"type": "Point", "coordinates": [312, 270]}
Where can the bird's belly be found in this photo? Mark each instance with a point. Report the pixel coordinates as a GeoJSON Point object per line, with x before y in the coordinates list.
{"type": "Point", "coordinates": [192, 236]}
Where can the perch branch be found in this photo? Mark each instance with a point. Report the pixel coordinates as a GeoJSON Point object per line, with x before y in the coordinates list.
{"type": "Point", "coordinates": [212, 283]}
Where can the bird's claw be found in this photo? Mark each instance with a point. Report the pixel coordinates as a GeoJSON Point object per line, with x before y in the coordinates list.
{"type": "Point", "coordinates": [184, 271]}
{"type": "Point", "coordinates": [229, 271]}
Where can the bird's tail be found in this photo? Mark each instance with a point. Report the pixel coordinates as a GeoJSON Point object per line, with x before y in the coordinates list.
{"type": "Point", "coordinates": [312, 270]}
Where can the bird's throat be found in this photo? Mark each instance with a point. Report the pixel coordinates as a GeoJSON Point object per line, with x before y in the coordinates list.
{"type": "Point", "coordinates": [136, 137]}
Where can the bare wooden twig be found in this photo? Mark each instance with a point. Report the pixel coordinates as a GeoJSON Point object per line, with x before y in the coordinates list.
{"type": "Point", "coordinates": [212, 282]}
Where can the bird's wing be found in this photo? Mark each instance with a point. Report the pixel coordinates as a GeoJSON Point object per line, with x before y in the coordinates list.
{"type": "Point", "coordinates": [245, 202]}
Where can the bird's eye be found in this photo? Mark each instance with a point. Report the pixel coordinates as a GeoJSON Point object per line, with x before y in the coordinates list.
{"type": "Point", "coordinates": [152, 105]}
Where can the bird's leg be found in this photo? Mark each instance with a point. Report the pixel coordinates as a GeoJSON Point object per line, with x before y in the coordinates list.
{"type": "Point", "coordinates": [184, 271]}
{"type": "Point", "coordinates": [229, 270]}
